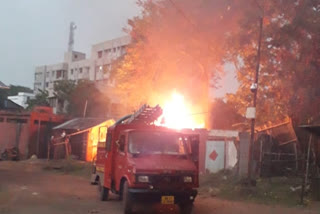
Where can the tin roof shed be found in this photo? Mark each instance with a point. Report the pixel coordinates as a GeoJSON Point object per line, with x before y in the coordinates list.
{"type": "Point", "coordinates": [80, 124]}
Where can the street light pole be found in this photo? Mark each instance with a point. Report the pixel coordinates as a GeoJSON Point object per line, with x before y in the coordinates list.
{"type": "Point", "coordinates": [255, 92]}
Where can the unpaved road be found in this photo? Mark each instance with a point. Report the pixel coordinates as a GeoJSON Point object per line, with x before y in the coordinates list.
{"type": "Point", "coordinates": [27, 189]}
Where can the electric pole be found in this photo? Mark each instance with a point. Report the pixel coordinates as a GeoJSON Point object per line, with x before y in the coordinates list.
{"type": "Point", "coordinates": [254, 89]}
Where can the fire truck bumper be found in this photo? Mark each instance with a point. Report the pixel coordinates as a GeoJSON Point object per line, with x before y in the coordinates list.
{"type": "Point", "coordinates": [156, 196]}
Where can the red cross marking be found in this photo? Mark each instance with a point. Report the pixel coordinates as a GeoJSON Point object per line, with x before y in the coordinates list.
{"type": "Point", "coordinates": [213, 155]}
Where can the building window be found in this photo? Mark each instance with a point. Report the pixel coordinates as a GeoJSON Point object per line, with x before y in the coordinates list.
{"type": "Point", "coordinates": [71, 71]}
{"type": "Point", "coordinates": [38, 76]}
{"type": "Point", "coordinates": [47, 84]}
{"type": "Point", "coordinates": [114, 50]}
{"type": "Point", "coordinates": [80, 70]}
{"type": "Point", "coordinates": [59, 74]}
{"type": "Point", "coordinates": [99, 54]}
{"type": "Point", "coordinates": [75, 56]}
{"type": "Point", "coordinates": [53, 73]}
{"type": "Point", "coordinates": [47, 74]}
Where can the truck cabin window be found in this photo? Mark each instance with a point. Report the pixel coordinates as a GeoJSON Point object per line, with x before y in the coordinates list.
{"type": "Point", "coordinates": [122, 141]}
{"type": "Point", "coordinates": [158, 143]}
{"type": "Point", "coordinates": [108, 143]}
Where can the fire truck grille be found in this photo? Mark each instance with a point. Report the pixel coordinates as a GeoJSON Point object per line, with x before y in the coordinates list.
{"type": "Point", "coordinates": [166, 180]}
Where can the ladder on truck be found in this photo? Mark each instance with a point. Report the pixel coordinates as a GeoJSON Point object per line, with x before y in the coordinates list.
{"type": "Point", "coordinates": [146, 115]}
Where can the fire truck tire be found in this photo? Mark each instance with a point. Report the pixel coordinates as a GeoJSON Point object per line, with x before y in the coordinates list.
{"type": "Point", "coordinates": [127, 201]}
{"type": "Point", "coordinates": [186, 208]}
{"type": "Point", "coordinates": [104, 192]}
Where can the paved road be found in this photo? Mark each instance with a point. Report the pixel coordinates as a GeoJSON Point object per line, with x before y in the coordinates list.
{"type": "Point", "coordinates": [26, 189]}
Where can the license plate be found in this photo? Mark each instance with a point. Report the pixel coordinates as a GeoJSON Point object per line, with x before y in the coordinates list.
{"type": "Point", "coordinates": [167, 200]}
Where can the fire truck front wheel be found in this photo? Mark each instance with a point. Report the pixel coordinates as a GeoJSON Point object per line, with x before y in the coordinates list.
{"type": "Point", "coordinates": [127, 200]}
{"type": "Point", "coordinates": [104, 192]}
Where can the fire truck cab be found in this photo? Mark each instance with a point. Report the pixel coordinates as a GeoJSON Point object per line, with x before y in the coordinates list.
{"type": "Point", "coordinates": [142, 162]}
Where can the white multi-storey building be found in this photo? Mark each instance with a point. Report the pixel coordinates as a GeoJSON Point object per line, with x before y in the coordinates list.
{"type": "Point", "coordinates": [77, 67]}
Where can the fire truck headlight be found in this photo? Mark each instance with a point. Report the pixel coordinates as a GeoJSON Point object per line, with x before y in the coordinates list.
{"type": "Point", "coordinates": [187, 179]}
{"type": "Point", "coordinates": [143, 179]}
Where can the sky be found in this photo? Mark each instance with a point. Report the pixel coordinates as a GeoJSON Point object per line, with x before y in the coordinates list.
{"type": "Point", "coordinates": [35, 32]}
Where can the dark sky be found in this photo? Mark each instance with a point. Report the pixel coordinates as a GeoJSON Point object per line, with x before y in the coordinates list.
{"type": "Point", "coordinates": [35, 32]}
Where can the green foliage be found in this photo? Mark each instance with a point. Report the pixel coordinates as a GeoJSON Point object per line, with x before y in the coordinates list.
{"type": "Point", "coordinates": [41, 99]}
{"type": "Point", "coordinates": [14, 90]}
{"type": "Point", "coordinates": [77, 94]}
{"type": "Point", "coordinates": [63, 89]}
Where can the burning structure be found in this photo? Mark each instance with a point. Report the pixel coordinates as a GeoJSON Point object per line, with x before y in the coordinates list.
{"type": "Point", "coordinates": [83, 136]}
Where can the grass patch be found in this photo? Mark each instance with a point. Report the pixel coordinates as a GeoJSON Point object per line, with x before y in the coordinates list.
{"type": "Point", "coordinates": [69, 166]}
{"type": "Point", "coordinates": [270, 191]}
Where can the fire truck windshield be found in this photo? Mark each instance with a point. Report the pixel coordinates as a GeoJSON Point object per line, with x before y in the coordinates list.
{"type": "Point", "coordinates": [141, 142]}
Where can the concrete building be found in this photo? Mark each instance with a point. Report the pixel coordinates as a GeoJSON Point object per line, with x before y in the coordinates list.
{"type": "Point", "coordinates": [22, 98]}
{"type": "Point", "coordinates": [76, 66]}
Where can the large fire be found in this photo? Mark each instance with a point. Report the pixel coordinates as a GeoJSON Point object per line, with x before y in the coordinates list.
{"type": "Point", "coordinates": [177, 114]}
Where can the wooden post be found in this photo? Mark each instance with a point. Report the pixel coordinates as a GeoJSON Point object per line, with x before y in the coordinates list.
{"type": "Point", "coordinates": [305, 180]}
{"type": "Point", "coordinates": [260, 157]}
{"type": "Point", "coordinates": [38, 138]}
{"type": "Point", "coordinates": [296, 155]}
{"type": "Point", "coordinates": [85, 108]}
{"type": "Point", "coordinates": [308, 157]}
{"type": "Point", "coordinates": [48, 153]}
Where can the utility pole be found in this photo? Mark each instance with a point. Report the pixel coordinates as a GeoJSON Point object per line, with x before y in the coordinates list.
{"type": "Point", "coordinates": [254, 89]}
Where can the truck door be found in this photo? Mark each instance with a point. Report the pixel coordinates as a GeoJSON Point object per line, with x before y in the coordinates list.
{"type": "Point", "coordinates": [99, 157]}
{"type": "Point", "coordinates": [120, 158]}
{"type": "Point", "coordinates": [194, 141]}
{"type": "Point", "coordinates": [108, 162]}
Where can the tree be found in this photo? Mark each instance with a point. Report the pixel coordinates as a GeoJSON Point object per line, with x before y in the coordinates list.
{"type": "Point", "coordinates": [289, 74]}
{"type": "Point", "coordinates": [41, 99]}
{"type": "Point", "coordinates": [14, 90]}
{"type": "Point", "coordinates": [175, 45]}
{"type": "Point", "coordinates": [224, 115]}
{"type": "Point", "coordinates": [77, 94]}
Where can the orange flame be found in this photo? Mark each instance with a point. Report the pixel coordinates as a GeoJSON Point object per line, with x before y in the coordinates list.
{"type": "Point", "coordinates": [178, 115]}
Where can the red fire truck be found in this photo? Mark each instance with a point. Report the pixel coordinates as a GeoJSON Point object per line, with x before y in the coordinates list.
{"type": "Point", "coordinates": [142, 162]}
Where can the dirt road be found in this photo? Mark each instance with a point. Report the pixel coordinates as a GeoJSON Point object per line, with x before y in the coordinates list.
{"type": "Point", "coordinates": [27, 189]}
